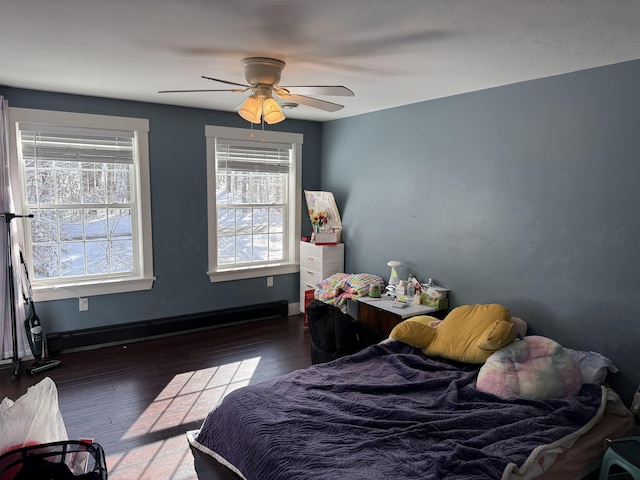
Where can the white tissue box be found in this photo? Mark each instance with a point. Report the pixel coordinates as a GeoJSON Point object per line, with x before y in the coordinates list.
{"type": "Point", "coordinates": [435, 297]}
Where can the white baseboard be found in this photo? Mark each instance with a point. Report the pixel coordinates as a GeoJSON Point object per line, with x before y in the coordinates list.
{"type": "Point", "coordinates": [294, 309]}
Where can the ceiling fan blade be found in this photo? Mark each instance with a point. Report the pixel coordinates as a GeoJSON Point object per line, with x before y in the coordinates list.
{"type": "Point", "coordinates": [226, 81]}
{"type": "Point", "coordinates": [335, 90]}
{"type": "Point", "coordinates": [235, 90]}
{"type": "Point", "coordinates": [311, 102]}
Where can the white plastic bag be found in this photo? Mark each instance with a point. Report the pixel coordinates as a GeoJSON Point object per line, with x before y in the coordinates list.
{"type": "Point", "coordinates": [32, 419]}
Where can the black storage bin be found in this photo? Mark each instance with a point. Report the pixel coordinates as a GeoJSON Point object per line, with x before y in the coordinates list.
{"type": "Point", "coordinates": [57, 460]}
{"type": "Point", "coordinates": [335, 334]}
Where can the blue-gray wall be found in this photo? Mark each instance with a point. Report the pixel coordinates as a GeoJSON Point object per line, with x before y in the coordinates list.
{"type": "Point", "coordinates": [525, 195]}
{"type": "Point", "coordinates": [179, 215]}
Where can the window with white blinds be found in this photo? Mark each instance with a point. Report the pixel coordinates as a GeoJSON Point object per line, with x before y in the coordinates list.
{"type": "Point", "coordinates": [83, 185]}
{"type": "Point", "coordinates": [76, 144]}
{"type": "Point", "coordinates": [253, 202]}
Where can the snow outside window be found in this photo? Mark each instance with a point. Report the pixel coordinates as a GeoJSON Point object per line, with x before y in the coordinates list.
{"type": "Point", "coordinates": [85, 180]}
{"type": "Point", "coordinates": [254, 198]}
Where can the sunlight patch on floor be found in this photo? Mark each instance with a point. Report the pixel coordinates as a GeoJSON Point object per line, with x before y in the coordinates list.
{"type": "Point", "coordinates": [187, 398]}
{"type": "Point", "coordinates": [190, 395]}
{"type": "Point", "coordinates": [153, 461]}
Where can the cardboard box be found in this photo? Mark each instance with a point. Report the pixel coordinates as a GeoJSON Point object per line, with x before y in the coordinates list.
{"type": "Point", "coordinates": [326, 238]}
{"type": "Point", "coordinates": [436, 297]}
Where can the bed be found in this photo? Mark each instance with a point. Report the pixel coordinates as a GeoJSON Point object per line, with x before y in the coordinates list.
{"type": "Point", "coordinates": [390, 411]}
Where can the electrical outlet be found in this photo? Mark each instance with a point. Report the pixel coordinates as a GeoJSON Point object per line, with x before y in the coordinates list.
{"type": "Point", "coordinates": [84, 304]}
{"type": "Point", "coordinates": [269, 281]}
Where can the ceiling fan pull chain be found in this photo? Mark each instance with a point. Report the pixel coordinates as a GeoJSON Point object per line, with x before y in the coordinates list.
{"type": "Point", "coordinates": [263, 140]}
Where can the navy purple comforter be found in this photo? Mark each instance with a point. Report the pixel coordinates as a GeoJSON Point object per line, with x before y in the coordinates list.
{"type": "Point", "coordinates": [387, 412]}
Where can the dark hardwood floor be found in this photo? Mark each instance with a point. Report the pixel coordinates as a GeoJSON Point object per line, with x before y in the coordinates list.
{"type": "Point", "coordinates": [139, 400]}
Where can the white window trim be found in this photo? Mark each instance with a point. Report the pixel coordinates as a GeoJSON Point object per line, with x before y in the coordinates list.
{"type": "Point", "coordinates": [291, 265]}
{"type": "Point", "coordinates": [86, 288]}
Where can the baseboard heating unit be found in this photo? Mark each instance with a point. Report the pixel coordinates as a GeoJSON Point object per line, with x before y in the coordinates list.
{"type": "Point", "coordinates": [127, 332]}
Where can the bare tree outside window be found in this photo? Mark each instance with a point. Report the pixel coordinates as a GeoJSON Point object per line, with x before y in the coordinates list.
{"type": "Point", "coordinates": [253, 202]}
{"type": "Point", "coordinates": [78, 187]}
{"type": "Point", "coordinates": [251, 198]}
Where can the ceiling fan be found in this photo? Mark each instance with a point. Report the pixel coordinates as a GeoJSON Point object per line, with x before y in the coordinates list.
{"type": "Point", "coordinates": [263, 75]}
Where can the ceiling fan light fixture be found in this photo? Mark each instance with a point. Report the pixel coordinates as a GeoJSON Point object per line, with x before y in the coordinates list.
{"type": "Point", "coordinates": [263, 78]}
{"type": "Point", "coordinates": [271, 111]}
{"type": "Point", "coordinates": [251, 109]}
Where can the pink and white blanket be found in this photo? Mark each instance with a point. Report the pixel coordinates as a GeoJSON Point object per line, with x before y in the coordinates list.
{"type": "Point", "coordinates": [534, 368]}
{"type": "Point", "coordinates": [336, 289]}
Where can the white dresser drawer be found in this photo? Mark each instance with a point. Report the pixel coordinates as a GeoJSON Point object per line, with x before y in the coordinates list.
{"type": "Point", "coordinates": [310, 277]}
{"type": "Point", "coordinates": [318, 274]}
{"type": "Point", "coordinates": [310, 252]}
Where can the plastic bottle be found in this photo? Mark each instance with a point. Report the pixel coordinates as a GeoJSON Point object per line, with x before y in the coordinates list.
{"type": "Point", "coordinates": [411, 289]}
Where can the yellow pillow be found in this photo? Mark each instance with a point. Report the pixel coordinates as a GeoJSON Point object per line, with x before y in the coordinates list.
{"type": "Point", "coordinates": [470, 333]}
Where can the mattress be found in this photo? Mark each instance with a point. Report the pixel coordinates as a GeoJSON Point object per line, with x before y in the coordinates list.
{"type": "Point", "coordinates": [390, 412]}
{"type": "Point", "coordinates": [585, 455]}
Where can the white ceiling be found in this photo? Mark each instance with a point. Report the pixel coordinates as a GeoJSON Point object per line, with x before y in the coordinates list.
{"type": "Point", "coordinates": [390, 53]}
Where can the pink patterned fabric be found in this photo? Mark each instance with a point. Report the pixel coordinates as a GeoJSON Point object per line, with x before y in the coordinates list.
{"type": "Point", "coordinates": [336, 289]}
{"type": "Point", "coordinates": [535, 368]}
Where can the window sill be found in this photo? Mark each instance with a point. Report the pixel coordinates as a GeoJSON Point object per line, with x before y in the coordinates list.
{"type": "Point", "coordinates": [252, 272]}
{"type": "Point", "coordinates": [43, 293]}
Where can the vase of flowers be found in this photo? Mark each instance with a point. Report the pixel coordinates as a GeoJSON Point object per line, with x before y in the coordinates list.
{"type": "Point", "coordinates": [318, 220]}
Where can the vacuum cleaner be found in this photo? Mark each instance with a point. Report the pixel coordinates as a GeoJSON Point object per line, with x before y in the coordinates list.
{"type": "Point", "coordinates": [33, 329]}
{"type": "Point", "coordinates": [36, 343]}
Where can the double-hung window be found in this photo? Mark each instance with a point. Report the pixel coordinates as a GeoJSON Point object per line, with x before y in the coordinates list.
{"type": "Point", "coordinates": [85, 180]}
{"type": "Point", "coordinates": [254, 192]}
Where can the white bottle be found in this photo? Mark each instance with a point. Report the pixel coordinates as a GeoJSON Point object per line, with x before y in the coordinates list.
{"type": "Point", "coordinates": [411, 289]}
